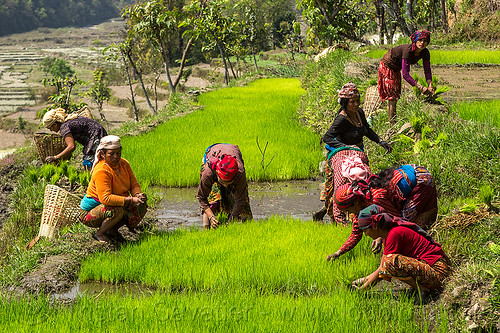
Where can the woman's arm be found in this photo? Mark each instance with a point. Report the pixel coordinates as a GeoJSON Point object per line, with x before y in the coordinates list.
{"type": "Point", "coordinates": [350, 243]}
{"type": "Point", "coordinates": [368, 281]}
{"type": "Point", "coordinates": [70, 147]}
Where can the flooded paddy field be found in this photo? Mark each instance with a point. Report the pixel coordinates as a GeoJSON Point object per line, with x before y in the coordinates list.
{"type": "Point", "coordinates": [298, 199]}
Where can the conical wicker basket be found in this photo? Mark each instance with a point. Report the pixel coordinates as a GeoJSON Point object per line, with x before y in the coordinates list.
{"type": "Point", "coordinates": [60, 208]}
{"type": "Point", "coordinates": [85, 112]}
{"type": "Point", "coordinates": [48, 144]}
{"type": "Point", "coordinates": [372, 100]}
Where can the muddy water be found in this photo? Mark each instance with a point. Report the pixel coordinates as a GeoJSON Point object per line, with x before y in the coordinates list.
{"type": "Point", "coordinates": [298, 199]}
{"type": "Point", "coordinates": [180, 209]}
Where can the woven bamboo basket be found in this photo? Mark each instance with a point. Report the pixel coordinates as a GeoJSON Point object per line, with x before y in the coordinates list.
{"type": "Point", "coordinates": [85, 112]}
{"type": "Point", "coordinates": [372, 100]}
{"type": "Point", "coordinates": [48, 144]}
{"type": "Point", "coordinates": [60, 208]}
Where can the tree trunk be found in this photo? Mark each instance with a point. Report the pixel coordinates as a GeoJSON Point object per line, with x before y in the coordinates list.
{"type": "Point", "coordinates": [103, 118]}
{"type": "Point", "coordinates": [254, 60]}
{"type": "Point", "coordinates": [409, 15]}
{"type": "Point", "coordinates": [139, 76]}
{"type": "Point", "coordinates": [380, 21]}
{"type": "Point", "coordinates": [132, 98]}
{"type": "Point", "coordinates": [231, 67]}
{"type": "Point", "coordinates": [226, 72]}
{"type": "Point", "coordinates": [444, 16]}
{"type": "Point", "coordinates": [395, 12]}
{"type": "Point", "coordinates": [183, 62]}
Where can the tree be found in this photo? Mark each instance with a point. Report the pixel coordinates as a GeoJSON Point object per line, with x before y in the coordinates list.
{"type": "Point", "coordinates": [334, 20]}
{"type": "Point", "coordinates": [99, 92]}
{"type": "Point", "coordinates": [156, 23]}
{"type": "Point", "coordinates": [56, 67]}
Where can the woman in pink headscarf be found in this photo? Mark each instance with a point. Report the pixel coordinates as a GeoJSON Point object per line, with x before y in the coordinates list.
{"type": "Point", "coordinates": [397, 61]}
{"type": "Point", "coordinates": [223, 185]}
{"type": "Point", "coordinates": [346, 160]}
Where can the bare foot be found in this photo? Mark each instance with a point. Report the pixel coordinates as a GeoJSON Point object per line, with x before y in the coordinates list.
{"type": "Point", "coordinates": [100, 238]}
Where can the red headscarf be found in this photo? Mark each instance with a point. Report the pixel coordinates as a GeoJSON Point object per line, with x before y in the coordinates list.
{"type": "Point", "coordinates": [372, 215]}
{"type": "Point", "coordinates": [226, 167]}
{"type": "Point", "coordinates": [346, 194]}
{"type": "Point", "coordinates": [349, 90]}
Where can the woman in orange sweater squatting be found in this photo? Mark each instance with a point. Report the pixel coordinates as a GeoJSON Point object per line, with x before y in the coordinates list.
{"type": "Point", "coordinates": [114, 196]}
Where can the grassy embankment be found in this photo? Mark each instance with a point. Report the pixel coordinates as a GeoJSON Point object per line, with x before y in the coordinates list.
{"type": "Point", "coordinates": [463, 158]}
{"type": "Point", "coordinates": [255, 276]}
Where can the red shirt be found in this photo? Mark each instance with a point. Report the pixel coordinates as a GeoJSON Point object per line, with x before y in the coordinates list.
{"type": "Point", "coordinates": [404, 241]}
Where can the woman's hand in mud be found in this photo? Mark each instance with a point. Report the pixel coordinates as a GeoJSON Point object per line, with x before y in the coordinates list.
{"type": "Point", "coordinates": [333, 256]}
{"type": "Point", "coordinates": [213, 222]}
{"type": "Point", "coordinates": [377, 245]}
{"type": "Point", "coordinates": [142, 196]}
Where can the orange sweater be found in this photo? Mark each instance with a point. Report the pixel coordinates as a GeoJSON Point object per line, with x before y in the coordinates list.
{"type": "Point", "coordinates": [111, 185]}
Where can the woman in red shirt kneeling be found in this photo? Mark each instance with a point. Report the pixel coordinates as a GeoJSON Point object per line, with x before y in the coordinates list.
{"type": "Point", "coordinates": [410, 254]}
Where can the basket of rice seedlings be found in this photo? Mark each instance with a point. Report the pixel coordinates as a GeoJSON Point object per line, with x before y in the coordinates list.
{"type": "Point", "coordinates": [48, 144]}
{"type": "Point", "coordinates": [60, 208]}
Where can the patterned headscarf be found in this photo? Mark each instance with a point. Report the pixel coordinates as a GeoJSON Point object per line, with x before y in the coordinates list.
{"type": "Point", "coordinates": [419, 34]}
{"type": "Point", "coordinates": [56, 115]}
{"type": "Point", "coordinates": [349, 90]}
{"type": "Point", "coordinates": [372, 215]}
{"type": "Point", "coordinates": [226, 167]}
{"type": "Point", "coordinates": [107, 142]}
{"type": "Point", "coordinates": [347, 194]}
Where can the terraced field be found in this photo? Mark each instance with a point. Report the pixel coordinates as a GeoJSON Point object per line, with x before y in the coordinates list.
{"type": "Point", "coordinates": [15, 66]}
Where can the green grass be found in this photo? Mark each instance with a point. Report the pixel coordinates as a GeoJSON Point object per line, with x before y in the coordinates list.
{"type": "Point", "coordinates": [264, 110]}
{"type": "Point", "coordinates": [482, 111]}
{"type": "Point", "coordinates": [451, 57]}
{"type": "Point", "coordinates": [277, 255]}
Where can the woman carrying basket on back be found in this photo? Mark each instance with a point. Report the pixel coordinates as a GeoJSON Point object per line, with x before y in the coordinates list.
{"type": "Point", "coordinates": [73, 128]}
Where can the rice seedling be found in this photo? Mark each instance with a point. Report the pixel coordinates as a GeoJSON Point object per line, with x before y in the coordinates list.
{"type": "Point", "coordinates": [47, 171]}
{"type": "Point", "coordinates": [451, 57]}
{"type": "Point", "coordinates": [264, 111]}
{"type": "Point", "coordinates": [279, 255]}
{"type": "Point", "coordinates": [55, 178]}
{"type": "Point", "coordinates": [32, 175]}
{"type": "Point", "coordinates": [483, 111]}
{"type": "Point", "coordinates": [84, 178]}
{"type": "Point", "coordinates": [342, 311]}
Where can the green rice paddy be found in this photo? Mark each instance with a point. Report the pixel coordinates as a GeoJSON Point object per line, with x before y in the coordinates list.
{"type": "Point", "coordinates": [483, 111]}
{"type": "Point", "coordinates": [279, 254]}
{"type": "Point", "coordinates": [267, 276]}
{"type": "Point", "coordinates": [263, 112]}
{"type": "Point", "coordinates": [451, 57]}
{"type": "Point", "coordinates": [229, 312]}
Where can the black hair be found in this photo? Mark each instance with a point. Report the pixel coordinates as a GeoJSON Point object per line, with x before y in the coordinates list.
{"type": "Point", "coordinates": [383, 178]}
{"type": "Point", "coordinates": [343, 103]}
